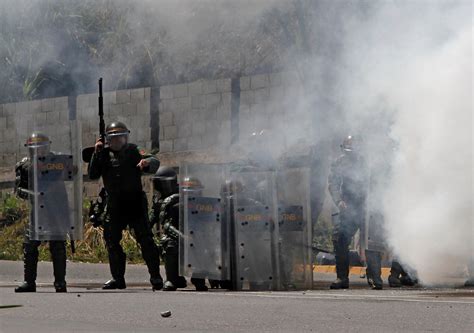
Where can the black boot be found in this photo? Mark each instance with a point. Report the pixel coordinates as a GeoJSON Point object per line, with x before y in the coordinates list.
{"type": "Point", "coordinates": [26, 287]}
{"type": "Point", "coordinates": [156, 283]}
{"type": "Point", "coordinates": [171, 259]}
{"type": "Point", "coordinates": [30, 266]}
{"type": "Point", "coordinates": [406, 280]}
{"type": "Point", "coordinates": [340, 284]}
{"type": "Point", "coordinates": [58, 255]}
{"type": "Point", "coordinates": [60, 287]}
{"type": "Point", "coordinates": [114, 284]}
{"type": "Point", "coordinates": [200, 284]}
{"type": "Point", "coordinates": [394, 282]}
{"type": "Point", "coordinates": [374, 270]}
{"type": "Point", "coordinates": [226, 284]}
{"type": "Point", "coordinates": [117, 261]}
{"type": "Point", "coordinates": [214, 284]}
{"type": "Point", "coordinates": [395, 272]}
{"type": "Point", "coordinates": [341, 249]}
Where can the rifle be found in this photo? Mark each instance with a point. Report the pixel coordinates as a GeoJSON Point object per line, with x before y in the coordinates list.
{"type": "Point", "coordinates": [87, 152]}
{"type": "Point", "coordinates": [97, 209]}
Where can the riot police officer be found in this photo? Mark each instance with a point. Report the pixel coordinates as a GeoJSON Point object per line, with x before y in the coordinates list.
{"type": "Point", "coordinates": [348, 184]}
{"type": "Point", "coordinates": [38, 146]}
{"type": "Point", "coordinates": [165, 213]}
{"type": "Point", "coordinates": [121, 165]}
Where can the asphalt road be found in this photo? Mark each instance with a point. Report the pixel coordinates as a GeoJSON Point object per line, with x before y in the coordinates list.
{"type": "Point", "coordinates": [86, 308]}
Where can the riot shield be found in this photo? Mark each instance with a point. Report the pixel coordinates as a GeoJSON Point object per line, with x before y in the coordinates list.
{"type": "Point", "coordinates": [55, 189]}
{"type": "Point", "coordinates": [251, 198]}
{"type": "Point", "coordinates": [294, 229]}
{"type": "Point", "coordinates": [203, 242]}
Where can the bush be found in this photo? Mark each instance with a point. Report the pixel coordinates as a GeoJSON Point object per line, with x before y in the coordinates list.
{"type": "Point", "coordinates": [14, 221]}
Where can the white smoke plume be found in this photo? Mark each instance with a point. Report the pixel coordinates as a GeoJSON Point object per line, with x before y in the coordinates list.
{"type": "Point", "coordinates": [417, 57]}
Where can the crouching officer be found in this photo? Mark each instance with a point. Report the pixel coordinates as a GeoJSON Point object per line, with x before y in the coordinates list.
{"type": "Point", "coordinates": [165, 214]}
{"type": "Point", "coordinates": [166, 210]}
{"type": "Point", "coordinates": [39, 147]}
{"type": "Point", "coordinates": [121, 165]}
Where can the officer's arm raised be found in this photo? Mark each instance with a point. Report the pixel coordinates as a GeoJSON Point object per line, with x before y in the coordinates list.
{"type": "Point", "coordinates": [94, 168]}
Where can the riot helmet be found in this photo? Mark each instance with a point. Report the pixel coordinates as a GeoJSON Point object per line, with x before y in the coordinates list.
{"type": "Point", "coordinates": [116, 134]}
{"type": "Point", "coordinates": [165, 181]}
{"type": "Point", "coordinates": [348, 144]}
{"type": "Point", "coordinates": [39, 143]}
{"type": "Point", "coordinates": [191, 185]}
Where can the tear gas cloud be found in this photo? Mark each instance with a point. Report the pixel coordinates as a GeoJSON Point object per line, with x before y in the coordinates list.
{"type": "Point", "coordinates": [411, 62]}
{"type": "Point", "coordinates": [397, 73]}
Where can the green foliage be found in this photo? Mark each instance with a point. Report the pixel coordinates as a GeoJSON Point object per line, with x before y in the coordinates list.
{"type": "Point", "coordinates": [322, 234]}
{"type": "Point", "coordinates": [14, 214]}
{"type": "Point", "coordinates": [57, 48]}
{"type": "Point", "coordinates": [11, 208]}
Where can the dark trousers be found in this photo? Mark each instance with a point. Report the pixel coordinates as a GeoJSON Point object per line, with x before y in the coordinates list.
{"type": "Point", "coordinates": [347, 223]}
{"type": "Point", "coordinates": [133, 214]}
{"type": "Point", "coordinates": [58, 256]}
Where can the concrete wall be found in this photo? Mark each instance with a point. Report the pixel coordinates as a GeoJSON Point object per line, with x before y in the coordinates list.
{"type": "Point", "coordinates": [129, 106]}
{"type": "Point", "coordinates": [195, 115]}
{"type": "Point", "coordinates": [272, 101]}
{"type": "Point", "coordinates": [17, 120]}
{"type": "Point", "coordinates": [190, 121]}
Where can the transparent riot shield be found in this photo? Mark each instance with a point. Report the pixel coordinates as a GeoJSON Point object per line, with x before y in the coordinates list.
{"type": "Point", "coordinates": [203, 242]}
{"type": "Point", "coordinates": [55, 188]}
{"type": "Point", "coordinates": [252, 201]}
{"type": "Point", "coordinates": [294, 230]}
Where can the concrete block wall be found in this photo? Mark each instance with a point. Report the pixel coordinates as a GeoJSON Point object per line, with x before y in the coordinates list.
{"type": "Point", "coordinates": [17, 120]}
{"type": "Point", "coordinates": [131, 107]}
{"type": "Point", "coordinates": [194, 116]}
{"type": "Point", "coordinates": [272, 101]}
{"type": "Point", "coordinates": [189, 117]}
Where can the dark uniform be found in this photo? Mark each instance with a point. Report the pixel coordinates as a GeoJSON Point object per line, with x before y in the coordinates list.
{"type": "Point", "coordinates": [348, 184]}
{"type": "Point", "coordinates": [30, 247]}
{"type": "Point", "coordinates": [126, 206]}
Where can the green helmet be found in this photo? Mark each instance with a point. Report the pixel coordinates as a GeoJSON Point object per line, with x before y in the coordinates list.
{"type": "Point", "coordinates": [116, 128]}
{"type": "Point", "coordinates": [165, 181]}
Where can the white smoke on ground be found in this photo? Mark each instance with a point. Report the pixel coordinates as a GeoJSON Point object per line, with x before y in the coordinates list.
{"type": "Point", "coordinates": [417, 57]}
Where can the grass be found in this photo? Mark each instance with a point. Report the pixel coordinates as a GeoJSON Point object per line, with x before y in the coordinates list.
{"type": "Point", "coordinates": [14, 220]}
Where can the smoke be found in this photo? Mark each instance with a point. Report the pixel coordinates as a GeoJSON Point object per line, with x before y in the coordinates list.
{"type": "Point", "coordinates": [416, 57]}
{"type": "Point", "coordinates": [68, 44]}
{"type": "Point", "coordinates": [398, 73]}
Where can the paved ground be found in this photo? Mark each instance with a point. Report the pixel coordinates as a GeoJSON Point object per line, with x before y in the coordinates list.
{"type": "Point", "coordinates": [87, 308]}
